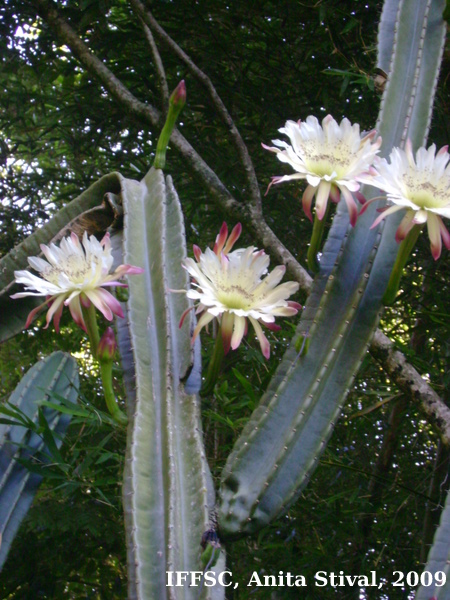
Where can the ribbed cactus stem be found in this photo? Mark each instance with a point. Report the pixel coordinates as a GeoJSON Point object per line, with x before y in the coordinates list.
{"type": "Point", "coordinates": [169, 488]}
{"type": "Point", "coordinates": [284, 438]}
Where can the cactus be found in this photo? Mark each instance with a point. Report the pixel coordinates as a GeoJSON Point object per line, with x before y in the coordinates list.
{"type": "Point", "coordinates": [168, 489]}
{"type": "Point", "coordinates": [438, 561]}
{"type": "Point", "coordinates": [281, 444]}
{"type": "Point", "coordinates": [55, 376]}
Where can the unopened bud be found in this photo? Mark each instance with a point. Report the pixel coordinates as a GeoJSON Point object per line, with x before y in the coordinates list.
{"type": "Point", "coordinates": [178, 97]}
{"type": "Point", "coordinates": [176, 102]}
{"type": "Point", "coordinates": [107, 346]}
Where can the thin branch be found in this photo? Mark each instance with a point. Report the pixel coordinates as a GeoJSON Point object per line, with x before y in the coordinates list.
{"type": "Point", "coordinates": [252, 182]}
{"type": "Point", "coordinates": [160, 71]}
{"type": "Point", "coordinates": [393, 361]}
{"type": "Point", "coordinates": [411, 383]}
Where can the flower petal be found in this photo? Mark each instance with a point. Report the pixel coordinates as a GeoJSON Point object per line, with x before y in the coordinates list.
{"type": "Point", "coordinates": [263, 341]}
{"type": "Point", "coordinates": [434, 233]}
{"type": "Point", "coordinates": [307, 197]}
{"type": "Point", "coordinates": [322, 199]}
{"type": "Point", "coordinates": [238, 331]}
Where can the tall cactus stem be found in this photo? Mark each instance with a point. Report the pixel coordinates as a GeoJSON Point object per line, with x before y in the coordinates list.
{"type": "Point", "coordinates": [406, 247]}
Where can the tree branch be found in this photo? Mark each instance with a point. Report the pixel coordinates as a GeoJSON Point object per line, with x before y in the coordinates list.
{"type": "Point", "coordinates": [163, 87]}
{"type": "Point", "coordinates": [392, 361]}
{"type": "Point", "coordinates": [411, 383]}
{"type": "Point", "coordinates": [246, 161]}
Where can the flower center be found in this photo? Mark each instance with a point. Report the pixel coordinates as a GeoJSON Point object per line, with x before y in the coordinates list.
{"type": "Point", "coordinates": [234, 296]}
{"type": "Point", "coordinates": [73, 267]}
{"type": "Point", "coordinates": [424, 194]}
{"type": "Point", "coordinates": [326, 159]}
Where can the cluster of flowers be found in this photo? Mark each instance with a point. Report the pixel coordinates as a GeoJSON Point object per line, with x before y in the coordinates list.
{"type": "Point", "coordinates": [334, 159]}
{"type": "Point", "coordinates": [235, 286]}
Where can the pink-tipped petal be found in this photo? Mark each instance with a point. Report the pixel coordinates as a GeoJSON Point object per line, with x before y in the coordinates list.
{"type": "Point", "coordinates": [221, 239]}
{"type": "Point", "coordinates": [226, 326]}
{"type": "Point", "coordinates": [126, 270]}
{"type": "Point", "coordinates": [238, 331]}
{"type": "Point", "coordinates": [57, 316]}
{"type": "Point", "coordinates": [295, 305]}
{"type": "Point", "coordinates": [351, 205]}
{"type": "Point", "coordinates": [75, 239]}
{"type": "Point", "coordinates": [434, 233]}
{"type": "Point", "coordinates": [76, 312]}
{"type": "Point", "coordinates": [197, 253]}
{"type": "Point", "coordinates": [322, 195]}
{"type": "Point", "coordinates": [105, 303]}
{"type": "Point", "coordinates": [263, 341]}
{"type": "Point", "coordinates": [335, 194]}
{"type": "Point", "coordinates": [203, 320]}
{"type": "Point", "coordinates": [55, 308]}
{"type": "Point", "coordinates": [384, 214]}
{"type": "Point", "coordinates": [366, 205]}
{"type": "Point", "coordinates": [406, 224]}
{"type": "Point", "coordinates": [33, 313]}
{"type": "Point", "coordinates": [272, 326]}
{"type": "Point", "coordinates": [409, 152]}
{"type": "Point", "coordinates": [183, 316]}
{"type": "Point", "coordinates": [234, 236]}
{"type": "Point", "coordinates": [360, 197]}
{"type": "Point", "coordinates": [444, 233]}
{"type": "Point", "coordinates": [307, 197]}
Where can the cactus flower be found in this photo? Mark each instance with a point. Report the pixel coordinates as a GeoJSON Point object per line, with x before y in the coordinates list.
{"type": "Point", "coordinates": [422, 187]}
{"type": "Point", "coordinates": [332, 157]}
{"type": "Point", "coordinates": [74, 275]}
{"type": "Point", "coordinates": [230, 286]}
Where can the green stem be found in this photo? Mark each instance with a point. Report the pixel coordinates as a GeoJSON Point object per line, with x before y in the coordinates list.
{"type": "Point", "coordinates": [214, 365]}
{"type": "Point", "coordinates": [176, 103]}
{"type": "Point", "coordinates": [90, 318]}
{"type": "Point", "coordinates": [316, 240]}
{"type": "Point", "coordinates": [404, 251]}
{"type": "Point", "coordinates": [110, 397]}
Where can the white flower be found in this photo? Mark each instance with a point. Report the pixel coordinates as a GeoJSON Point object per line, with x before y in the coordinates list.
{"type": "Point", "coordinates": [74, 275]}
{"type": "Point", "coordinates": [420, 186]}
{"type": "Point", "coordinates": [332, 158]}
{"type": "Point", "coordinates": [230, 286]}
